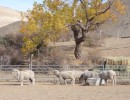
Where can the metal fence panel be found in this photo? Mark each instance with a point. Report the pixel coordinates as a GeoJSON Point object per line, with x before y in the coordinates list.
{"type": "Point", "coordinates": [44, 72]}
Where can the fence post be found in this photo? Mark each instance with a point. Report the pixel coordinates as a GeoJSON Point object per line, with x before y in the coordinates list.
{"type": "Point", "coordinates": [104, 64]}
{"type": "Point", "coordinates": [30, 65]}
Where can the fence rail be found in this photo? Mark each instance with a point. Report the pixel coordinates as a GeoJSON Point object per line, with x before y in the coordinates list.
{"type": "Point", "coordinates": [44, 72]}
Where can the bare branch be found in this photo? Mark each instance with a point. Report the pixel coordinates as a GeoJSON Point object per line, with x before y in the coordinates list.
{"type": "Point", "coordinates": [102, 12]}
{"type": "Point", "coordinates": [105, 10]}
{"type": "Point", "coordinates": [85, 8]}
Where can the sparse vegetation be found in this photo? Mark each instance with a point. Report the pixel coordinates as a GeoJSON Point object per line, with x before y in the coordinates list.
{"type": "Point", "coordinates": [10, 48]}
{"type": "Point", "coordinates": [92, 58]}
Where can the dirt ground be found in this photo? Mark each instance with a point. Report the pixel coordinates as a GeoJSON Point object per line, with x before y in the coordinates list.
{"type": "Point", "coordinates": [42, 91]}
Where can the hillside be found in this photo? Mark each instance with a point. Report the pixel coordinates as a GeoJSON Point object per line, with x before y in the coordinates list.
{"type": "Point", "coordinates": [12, 28]}
{"type": "Point", "coordinates": [112, 46]}
{"type": "Point", "coordinates": [116, 47]}
{"type": "Point", "coordinates": [120, 28]}
{"type": "Point", "coordinates": [8, 16]}
{"type": "Point", "coordinates": [10, 20]}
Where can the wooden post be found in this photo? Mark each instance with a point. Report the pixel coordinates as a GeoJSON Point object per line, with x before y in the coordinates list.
{"type": "Point", "coordinates": [30, 65]}
{"type": "Point", "coordinates": [104, 64]}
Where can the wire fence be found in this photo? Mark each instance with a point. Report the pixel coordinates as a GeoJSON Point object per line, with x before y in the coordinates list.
{"type": "Point", "coordinates": [45, 72]}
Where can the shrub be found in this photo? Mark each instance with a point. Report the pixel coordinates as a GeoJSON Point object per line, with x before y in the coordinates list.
{"type": "Point", "coordinates": [56, 56]}
{"type": "Point", "coordinates": [94, 40]}
{"type": "Point", "coordinates": [10, 49]}
{"type": "Point", "coordinates": [93, 57]}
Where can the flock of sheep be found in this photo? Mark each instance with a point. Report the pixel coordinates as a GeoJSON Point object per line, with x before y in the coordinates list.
{"type": "Point", "coordinates": [64, 75]}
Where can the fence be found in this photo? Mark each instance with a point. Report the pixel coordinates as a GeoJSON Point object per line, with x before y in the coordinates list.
{"type": "Point", "coordinates": [44, 72]}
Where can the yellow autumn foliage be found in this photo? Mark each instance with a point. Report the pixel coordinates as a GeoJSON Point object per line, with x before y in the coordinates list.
{"type": "Point", "coordinates": [48, 20]}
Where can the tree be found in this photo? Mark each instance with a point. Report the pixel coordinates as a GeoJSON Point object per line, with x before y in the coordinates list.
{"type": "Point", "coordinates": [48, 20]}
{"type": "Point", "coordinates": [45, 24]}
{"type": "Point", "coordinates": [95, 13]}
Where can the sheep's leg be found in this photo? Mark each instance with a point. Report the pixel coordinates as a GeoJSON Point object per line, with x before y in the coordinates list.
{"type": "Point", "coordinates": [21, 83]}
{"type": "Point", "coordinates": [115, 80]}
{"type": "Point", "coordinates": [33, 82]}
{"type": "Point", "coordinates": [65, 82]}
{"type": "Point", "coordinates": [60, 81]}
{"type": "Point", "coordinates": [106, 82]}
{"type": "Point", "coordinates": [100, 81]}
{"type": "Point", "coordinates": [73, 81]}
{"type": "Point", "coordinates": [85, 82]}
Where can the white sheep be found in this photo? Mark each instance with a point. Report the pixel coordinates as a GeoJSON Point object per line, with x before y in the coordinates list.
{"type": "Point", "coordinates": [88, 74]}
{"type": "Point", "coordinates": [21, 75]}
{"type": "Point", "coordinates": [108, 74]}
{"type": "Point", "coordinates": [73, 75]}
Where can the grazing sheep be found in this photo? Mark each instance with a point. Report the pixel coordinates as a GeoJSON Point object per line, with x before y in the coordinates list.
{"type": "Point", "coordinates": [88, 74]}
{"type": "Point", "coordinates": [21, 75]}
{"type": "Point", "coordinates": [108, 74]}
{"type": "Point", "coordinates": [73, 75]}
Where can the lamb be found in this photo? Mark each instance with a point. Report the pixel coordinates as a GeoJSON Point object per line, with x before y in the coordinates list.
{"type": "Point", "coordinates": [73, 75]}
{"type": "Point", "coordinates": [108, 74]}
{"type": "Point", "coordinates": [21, 75]}
{"type": "Point", "coordinates": [88, 74]}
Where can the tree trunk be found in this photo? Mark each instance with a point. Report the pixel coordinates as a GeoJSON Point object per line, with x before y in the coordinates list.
{"type": "Point", "coordinates": [78, 50]}
{"type": "Point", "coordinates": [79, 36]}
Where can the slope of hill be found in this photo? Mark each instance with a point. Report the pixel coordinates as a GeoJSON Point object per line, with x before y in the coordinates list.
{"type": "Point", "coordinates": [116, 47]}
{"type": "Point", "coordinates": [12, 28]}
{"type": "Point", "coordinates": [8, 16]}
{"type": "Point", "coordinates": [10, 20]}
{"type": "Point", "coordinates": [120, 28]}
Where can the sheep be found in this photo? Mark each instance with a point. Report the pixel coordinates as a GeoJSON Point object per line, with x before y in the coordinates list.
{"type": "Point", "coordinates": [88, 74]}
{"type": "Point", "coordinates": [108, 74]}
{"type": "Point", "coordinates": [73, 75]}
{"type": "Point", "coordinates": [21, 75]}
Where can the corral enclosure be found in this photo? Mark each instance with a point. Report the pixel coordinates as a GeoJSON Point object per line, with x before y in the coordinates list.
{"type": "Point", "coordinates": [44, 73]}
{"type": "Point", "coordinates": [46, 89]}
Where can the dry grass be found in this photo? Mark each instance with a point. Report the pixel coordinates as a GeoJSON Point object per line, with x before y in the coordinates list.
{"type": "Point", "coordinates": [116, 47]}
{"type": "Point", "coordinates": [41, 91]}
{"type": "Point", "coordinates": [112, 47]}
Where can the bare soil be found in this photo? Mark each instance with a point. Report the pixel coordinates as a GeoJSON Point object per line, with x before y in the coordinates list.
{"type": "Point", "coordinates": [42, 91]}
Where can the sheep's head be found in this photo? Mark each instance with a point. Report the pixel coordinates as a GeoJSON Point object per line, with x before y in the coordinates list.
{"type": "Point", "coordinates": [56, 72]}
{"type": "Point", "coordinates": [15, 72]}
{"type": "Point", "coordinates": [81, 78]}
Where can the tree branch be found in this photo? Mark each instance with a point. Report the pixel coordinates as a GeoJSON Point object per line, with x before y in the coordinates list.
{"type": "Point", "coordinates": [85, 8]}
{"type": "Point", "coordinates": [109, 6]}
{"type": "Point", "coordinates": [102, 12]}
